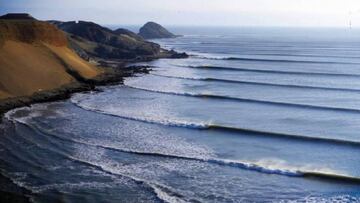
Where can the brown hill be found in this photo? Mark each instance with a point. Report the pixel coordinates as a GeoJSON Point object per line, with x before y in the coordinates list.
{"type": "Point", "coordinates": [34, 56]}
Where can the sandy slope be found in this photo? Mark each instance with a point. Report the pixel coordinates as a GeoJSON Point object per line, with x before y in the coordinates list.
{"type": "Point", "coordinates": [34, 56]}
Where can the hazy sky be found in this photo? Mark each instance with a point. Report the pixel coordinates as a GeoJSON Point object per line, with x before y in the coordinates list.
{"type": "Point", "coordinates": [195, 12]}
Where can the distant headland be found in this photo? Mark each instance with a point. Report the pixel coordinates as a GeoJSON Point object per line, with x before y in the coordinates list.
{"type": "Point", "coordinates": [152, 30]}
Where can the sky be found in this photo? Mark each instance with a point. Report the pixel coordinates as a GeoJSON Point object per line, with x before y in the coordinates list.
{"type": "Point", "coordinates": [326, 13]}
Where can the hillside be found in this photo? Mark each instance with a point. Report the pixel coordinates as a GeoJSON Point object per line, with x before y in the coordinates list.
{"type": "Point", "coordinates": [122, 31]}
{"type": "Point", "coordinates": [34, 56]}
{"type": "Point", "coordinates": [101, 42]}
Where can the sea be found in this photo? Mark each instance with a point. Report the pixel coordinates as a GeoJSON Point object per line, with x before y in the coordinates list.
{"type": "Point", "coordinates": [253, 115]}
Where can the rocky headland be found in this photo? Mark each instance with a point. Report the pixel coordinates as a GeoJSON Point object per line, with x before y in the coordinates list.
{"type": "Point", "coordinates": [152, 30]}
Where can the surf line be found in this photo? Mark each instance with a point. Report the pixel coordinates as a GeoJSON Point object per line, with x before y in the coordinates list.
{"type": "Point", "coordinates": [258, 83]}
{"type": "Point", "coordinates": [274, 103]}
{"type": "Point", "coordinates": [223, 162]}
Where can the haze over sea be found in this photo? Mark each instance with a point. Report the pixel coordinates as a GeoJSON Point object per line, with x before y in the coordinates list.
{"type": "Point", "coordinates": [254, 115]}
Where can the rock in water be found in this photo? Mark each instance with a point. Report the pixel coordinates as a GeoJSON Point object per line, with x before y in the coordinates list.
{"type": "Point", "coordinates": [153, 30]}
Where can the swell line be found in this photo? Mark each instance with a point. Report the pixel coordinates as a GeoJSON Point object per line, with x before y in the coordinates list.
{"type": "Point", "coordinates": [283, 135]}
{"type": "Point", "coordinates": [176, 123]}
{"type": "Point", "coordinates": [272, 60]}
{"type": "Point", "coordinates": [207, 126]}
{"type": "Point", "coordinates": [258, 83]}
{"type": "Point", "coordinates": [271, 71]}
{"type": "Point", "coordinates": [274, 103]}
{"type": "Point", "coordinates": [222, 162]}
{"type": "Point", "coordinates": [305, 55]}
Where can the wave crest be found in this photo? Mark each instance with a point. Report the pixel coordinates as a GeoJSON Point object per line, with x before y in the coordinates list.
{"type": "Point", "coordinates": [167, 122]}
{"type": "Point", "coordinates": [269, 60]}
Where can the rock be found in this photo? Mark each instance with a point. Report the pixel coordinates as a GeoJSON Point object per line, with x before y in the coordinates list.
{"type": "Point", "coordinates": [153, 30]}
{"type": "Point", "coordinates": [179, 55]}
{"type": "Point", "coordinates": [17, 16]}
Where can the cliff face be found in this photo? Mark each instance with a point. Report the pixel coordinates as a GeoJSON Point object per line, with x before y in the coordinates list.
{"type": "Point", "coordinates": [102, 42]}
{"type": "Point", "coordinates": [34, 56]}
{"type": "Point", "coordinates": [153, 30]}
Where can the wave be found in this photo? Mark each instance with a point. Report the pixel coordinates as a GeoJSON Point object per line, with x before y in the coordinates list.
{"type": "Point", "coordinates": [283, 135]}
{"type": "Point", "coordinates": [272, 71]}
{"type": "Point", "coordinates": [267, 166]}
{"type": "Point", "coordinates": [258, 83]}
{"type": "Point", "coordinates": [304, 106]}
{"type": "Point", "coordinates": [272, 60]}
{"type": "Point", "coordinates": [162, 192]}
{"type": "Point", "coordinates": [210, 126]}
{"type": "Point", "coordinates": [306, 55]}
{"type": "Point", "coordinates": [167, 122]}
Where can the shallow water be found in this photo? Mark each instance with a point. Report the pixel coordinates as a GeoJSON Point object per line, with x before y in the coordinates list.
{"type": "Point", "coordinates": [254, 115]}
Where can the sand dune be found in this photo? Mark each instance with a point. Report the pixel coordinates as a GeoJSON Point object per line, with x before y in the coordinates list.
{"type": "Point", "coordinates": [34, 56]}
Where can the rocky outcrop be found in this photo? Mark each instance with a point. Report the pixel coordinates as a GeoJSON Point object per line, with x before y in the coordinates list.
{"type": "Point", "coordinates": [101, 42]}
{"type": "Point", "coordinates": [17, 16]}
{"type": "Point", "coordinates": [153, 30]}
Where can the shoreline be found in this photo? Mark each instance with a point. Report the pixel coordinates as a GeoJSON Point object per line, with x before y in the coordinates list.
{"type": "Point", "coordinates": [10, 191]}
{"type": "Point", "coordinates": [110, 76]}
{"type": "Point", "coordinates": [55, 65]}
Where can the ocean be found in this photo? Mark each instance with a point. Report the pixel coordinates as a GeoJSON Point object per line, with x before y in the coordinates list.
{"type": "Point", "coordinates": [253, 115]}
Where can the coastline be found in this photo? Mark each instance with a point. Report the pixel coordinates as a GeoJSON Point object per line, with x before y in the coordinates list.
{"type": "Point", "coordinates": [110, 76]}
{"type": "Point", "coordinates": [11, 192]}
{"type": "Point", "coordinates": [67, 68]}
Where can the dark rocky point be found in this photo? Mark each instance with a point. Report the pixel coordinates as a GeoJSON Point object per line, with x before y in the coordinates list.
{"type": "Point", "coordinates": [153, 30]}
{"type": "Point", "coordinates": [17, 16]}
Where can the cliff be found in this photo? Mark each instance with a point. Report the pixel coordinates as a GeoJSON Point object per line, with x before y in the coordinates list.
{"type": "Point", "coordinates": [153, 30]}
{"type": "Point", "coordinates": [34, 57]}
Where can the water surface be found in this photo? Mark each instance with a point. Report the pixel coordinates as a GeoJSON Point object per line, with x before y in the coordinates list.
{"type": "Point", "coordinates": [254, 115]}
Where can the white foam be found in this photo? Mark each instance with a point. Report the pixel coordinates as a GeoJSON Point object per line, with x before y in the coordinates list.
{"type": "Point", "coordinates": [11, 115]}
{"type": "Point", "coordinates": [165, 196]}
{"type": "Point", "coordinates": [319, 199]}
{"type": "Point", "coordinates": [113, 168]}
{"type": "Point", "coordinates": [164, 121]}
{"type": "Point", "coordinates": [33, 111]}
